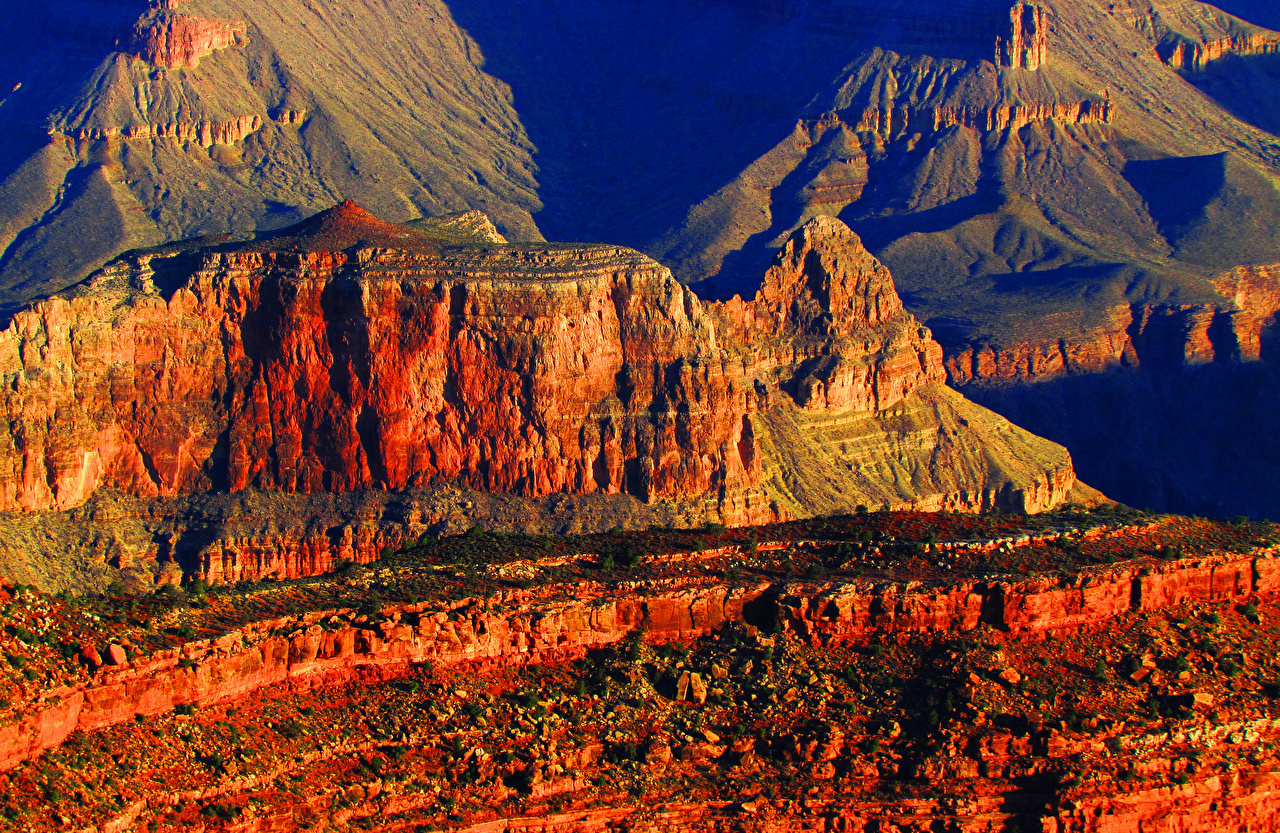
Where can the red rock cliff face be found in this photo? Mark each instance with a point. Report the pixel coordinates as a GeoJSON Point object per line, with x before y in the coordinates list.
{"type": "Point", "coordinates": [175, 41]}
{"type": "Point", "coordinates": [329, 646]}
{"type": "Point", "coordinates": [316, 365]}
{"type": "Point", "coordinates": [1157, 336]}
{"type": "Point", "coordinates": [1027, 44]}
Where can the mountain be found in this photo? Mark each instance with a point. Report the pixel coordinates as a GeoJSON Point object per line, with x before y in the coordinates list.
{"type": "Point", "coordinates": [346, 354]}
{"type": "Point", "coordinates": [1038, 176]}
{"type": "Point", "coordinates": [130, 125]}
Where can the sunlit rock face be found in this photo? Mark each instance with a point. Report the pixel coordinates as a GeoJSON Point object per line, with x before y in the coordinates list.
{"type": "Point", "coordinates": [347, 353]}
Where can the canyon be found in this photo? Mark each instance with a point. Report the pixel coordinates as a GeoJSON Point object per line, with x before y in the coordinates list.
{"type": "Point", "coordinates": [759, 509]}
{"type": "Point", "coordinates": [1040, 179]}
{"type": "Point", "coordinates": [331, 645]}
{"type": "Point", "coordinates": [1147, 362]}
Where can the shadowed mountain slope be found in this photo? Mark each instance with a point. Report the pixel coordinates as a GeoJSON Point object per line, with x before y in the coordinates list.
{"type": "Point", "coordinates": [966, 140]}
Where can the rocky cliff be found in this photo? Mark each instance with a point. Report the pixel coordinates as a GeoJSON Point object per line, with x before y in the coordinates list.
{"type": "Point", "coordinates": [175, 41]}
{"type": "Point", "coordinates": [1162, 336]}
{"type": "Point", "coordinates": [349, 354]}
{"type": "Point", "coordinates": [1026, 46]}
{"type": "Point", "coordinates": [688, 691]}
{"type": "Point", "coordinates": [519, 628]}
{"type": "Point", "coordinates": [1139, 366]}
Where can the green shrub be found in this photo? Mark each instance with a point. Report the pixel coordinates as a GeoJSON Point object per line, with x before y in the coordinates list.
{"type": "Point", "coordinates": [289, 729]}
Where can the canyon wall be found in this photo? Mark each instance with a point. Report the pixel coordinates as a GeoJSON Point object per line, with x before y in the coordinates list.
{"type": "Point", "coordinates": [1127, 395]}
{"type": "Point", "coordinates": [1194, 56]}
{"type": "Point", "coordinates": [1026, 46]}
{"type": "Point", "coordinates": [1158, 336]}
{"type": "Point", "coordinates": [177, 41]}
{"type": "Point", "coordinates": [531, 627]}
{"type": "Point", "coordinates": [1161, 336]}
{"type": "Point", "coordinates": [891, 123]}
{"type": "Point", "coordinates": [319, 361]}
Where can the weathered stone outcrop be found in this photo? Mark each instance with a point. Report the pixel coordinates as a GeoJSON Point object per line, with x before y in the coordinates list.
{"type": "Point", "coordinates": [905, 119]}
{"type": "Point", "coordinates": [894, 97]}
{"type": "Point", "coordinates": [530, 627]}
{"type": "Point", "coordinates": [177, 41]}
{"type": "Point", "coordinates": [1140, 335]}
{"type": "Point", "coordinates": [1255, 291]}
{"type": "Point", "coordinates": [1030, 609]}
{"type": "Point", "coordinates": [204, 133]}
{"type": "Point", "coordinates": [348, 354]}
{"type": "Point", "coordinates": [1026, 45]}
{"type": "Point", "coordinates": [1192, 56]}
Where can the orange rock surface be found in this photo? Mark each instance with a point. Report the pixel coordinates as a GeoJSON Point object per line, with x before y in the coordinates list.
{"type": "Point", "coordinates": [176, 41]}
{"type": "Point", "coordinates": [1123, 681]}
{"type": "Point", "coordinates": [349, 354]}
{"type": "Point", "coordinates": [1158, 336]}
{"type": "Point", "coordinates": [520, 628]}
{"type": "Point", "coordinates": [1027, 44]}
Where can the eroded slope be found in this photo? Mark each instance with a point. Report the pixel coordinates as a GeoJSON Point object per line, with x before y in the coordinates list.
{"type": "Point", "coordinates": [346, 354]}
{"type": "Point", "coordinates": [1073, 673]}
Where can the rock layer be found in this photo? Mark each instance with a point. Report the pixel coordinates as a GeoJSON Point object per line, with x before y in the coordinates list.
{"type": "Point", "coordinates": [337, 645]}
{"type": "Point", "coordinates": [1027, 43]}
{"type": "Point", "coordinates": [1159, 336]}
{"type": "Point", "coordinates": [176, 41]}
{"type": "Point", "coordinates": [349, 354]}
{"type": "Point", "coordinates": [204, 133]}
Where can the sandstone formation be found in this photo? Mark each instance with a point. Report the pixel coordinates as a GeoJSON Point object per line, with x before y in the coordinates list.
{"type": "Point", "coordinates": [1190, 56]}
{"type": "Point", "coordinates": [706, 688]}
{"type": "Point", "coordinates": [178, 41]}
{"type": "Point", "coordinates": [349, 354]}
{"type": "Point", "coordinates": [1144, 362]}
{"type": "Point", "coordinates": [1255, 294]}
{"type": "Point", "coordinates": [205, 134]}
{"type": "Point", "coordinates": [1189, 40]}
{"type": "Point", "coordinates": [1033, 173]}
{"type": "Point", "coordinates": [328, 646]}
{"type": "Point", "coordinates": [1161, 336]}
{"type": "Point", "coordinates": [1027, 43]}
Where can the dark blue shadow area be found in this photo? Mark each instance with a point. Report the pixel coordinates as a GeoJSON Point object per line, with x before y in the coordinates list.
{"type": "Point", "coordinates": [641, 110]}
{"type": "Point", "coordinates": [1262, 12]}
{"type": "Point", "coordinates": [1178, 189]}
{"type": "Point", "coordinates": [1246, 86]}
{"type": "Point", "coordinates": [1199, 441]}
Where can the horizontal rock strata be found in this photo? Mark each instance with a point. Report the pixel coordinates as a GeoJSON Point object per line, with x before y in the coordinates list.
{"type": "Point", "coordinates": [1138, 335]}
{"type": "Point", "coordinates": [1194, 56]}
{"type": "Point", "coordinates": [177, 41]}
{"type": "Point", "coordinates": [350, 354]}
{"type": "Point", "coordinates": [335, 645]}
